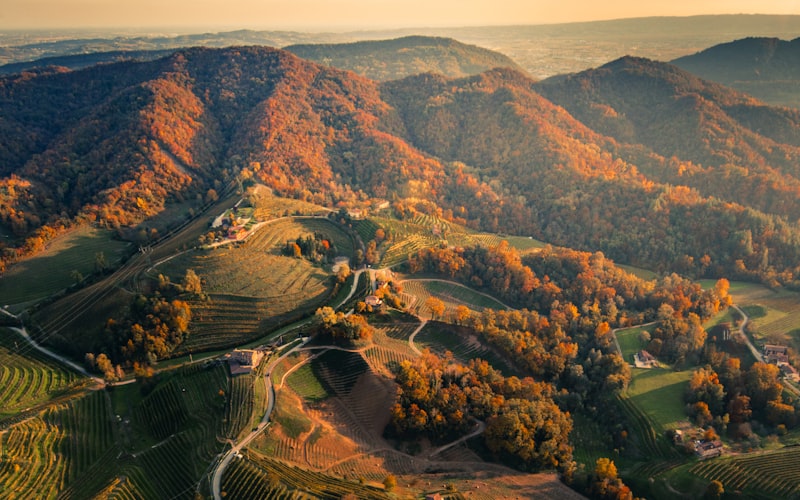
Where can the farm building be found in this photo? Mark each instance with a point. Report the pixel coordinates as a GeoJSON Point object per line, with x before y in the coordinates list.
{"type": "Point", "coordinates": [790, 372]}
{"type": "Point", "coordinates": [777, 354]}
{"type": "Point", "coordinates": [644, 359]}
{"type": "Point", "coordinates": [373, 301]}
{"type": "Point", "coordinates": [708, 449]}
{"type": "Point", "coordinates": [244, 360]}
{"type": "Point", "coordinates": [237, 233]}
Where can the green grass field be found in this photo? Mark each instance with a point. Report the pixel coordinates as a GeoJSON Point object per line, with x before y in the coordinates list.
{"type": "Point", "coordinates": [305, 383]}
{"type": "Point", "coordinates": [775, 315]}
{"type": "Point", "coordinates": [659, 394]}
{"type": "Point", "coordinates": [51, 270]}
{"type": "Point", "coordinates": [629, 341]}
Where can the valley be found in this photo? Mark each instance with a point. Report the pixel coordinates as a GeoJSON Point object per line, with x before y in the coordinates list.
{"type": "Point", "coordinates": [255, 276]}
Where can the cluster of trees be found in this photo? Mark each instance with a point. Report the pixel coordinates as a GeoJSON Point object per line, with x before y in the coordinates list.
{"type": "Point", "coordinates": [315, 248]}
{"type": "Point", "coordinates": [554, 277]}
{"type": "Point", "coordinates": [524, 426]}
{"type": "Point", "coordinates": [150, 330]}
{"type": "Point", "coordinates": [340, 326]}
{"type": "Point", "coordinates": [740, 401]}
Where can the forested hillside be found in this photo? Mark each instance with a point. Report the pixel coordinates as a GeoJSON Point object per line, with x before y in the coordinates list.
{"type": "Point", "coordinates": [768, 68]}
{"type": "Point", "coordinates": [653, 166]}
{"type": "Point", "coordinates": [392, 59]}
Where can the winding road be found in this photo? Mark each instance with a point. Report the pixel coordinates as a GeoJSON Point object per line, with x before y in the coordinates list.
{"type": "Point", "coordinates": [222, 464]}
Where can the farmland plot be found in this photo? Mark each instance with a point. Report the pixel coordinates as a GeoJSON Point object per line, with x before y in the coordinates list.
{"type": "Point", "coordinates": [27, 377]}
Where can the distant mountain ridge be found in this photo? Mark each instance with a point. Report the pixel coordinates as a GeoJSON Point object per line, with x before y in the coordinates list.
{"type": "Point", "coordinates": [577, 46]}
{"type": "Point", "coordinates": [393, 59]}
{"type": "Point", "coordinates": [768, 68]}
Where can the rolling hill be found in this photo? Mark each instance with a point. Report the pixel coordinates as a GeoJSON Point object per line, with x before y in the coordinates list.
{"type": "Point", "coordinates": [392, 59]}
{"type": "Point", "coordinates": [768, 68]}
{"type": "Point", "coordinates": [117, 143]}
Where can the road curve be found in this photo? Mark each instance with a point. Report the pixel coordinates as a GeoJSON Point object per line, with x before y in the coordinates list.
{"type": "Point", "coordinates": [78, 368]}
{"type": "Point", "coordinates": [216, 483]}
{"type": "Point", "coordinates": [414, 334]}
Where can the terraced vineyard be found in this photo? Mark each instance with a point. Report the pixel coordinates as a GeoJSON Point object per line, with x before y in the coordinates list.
{"type": "Point", "coordinates": [416, 292]}
{"type": "Point", "coordinates": [192, 397]}
{"type": "Point", "coordinates": [227, 320]}
{"type": "Point", "coordinates": [390, 347]}
{"type": "Point", "coordinates": [240, 406]}
{"type": "Point", "coordinates": [408, 237]}
{"type": "Point", "coordinates": [254, 289]}
{"type": "Point", "coordinates": [765, 474]}
{"type": "Point", "coordinates": [268, 206]}
{"type": "Point", "coordinates": [70, 438]}
{"type": "Point", "coordinates": [306, 384]}
{"type": "Point", "coordinates": [28, 377]}
{"type": "Point", "coordinates": [258, 476]}
{"type": "Point", "coordinates": [464, 345]}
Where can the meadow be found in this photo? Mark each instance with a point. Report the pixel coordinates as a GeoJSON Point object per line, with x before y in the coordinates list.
{"type": "Point", "coordinates": [629, 342]}
{"type": "Point", "coordinates": [52, 270]}
{"type": "Point", "coordinates": [660, 394]}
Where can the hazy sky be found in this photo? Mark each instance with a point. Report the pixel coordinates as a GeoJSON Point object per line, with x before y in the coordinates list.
{"type": "Point", "coordinates": [346, 14]}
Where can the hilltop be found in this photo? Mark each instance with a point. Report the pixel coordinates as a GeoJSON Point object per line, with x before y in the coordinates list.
{"type": "Point", "coordinates": [119, 143]}
{"type": "Point", "coordinates": [392, 59]}
{"type": "Point", "coordinates": [768, 68]}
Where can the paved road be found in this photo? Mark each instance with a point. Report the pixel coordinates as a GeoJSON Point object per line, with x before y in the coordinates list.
{"type": "Point", "coordinates": [216, 483]}
{"type": "Point", "coordinates": [744, 336]}
{"type": "Point", "coordinates": [78, 368]}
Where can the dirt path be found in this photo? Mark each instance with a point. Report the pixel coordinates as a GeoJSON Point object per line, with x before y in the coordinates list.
{"type": "Point", "coordinates": [745, 320]}
{"type": "Point", "coordinates": [414, 334]}
{"type": "Point", "coordinates": [477, 432]}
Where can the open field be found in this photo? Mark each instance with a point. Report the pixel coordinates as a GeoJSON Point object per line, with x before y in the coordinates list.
{"type": "Point", "coordinates": [51, 270]}
{"type": "Point", "coordinates": [775, 315]}
{"type": "Point", "coordinates": [629, 341]}
{"type": "Point", "coordinates": [659, 393]}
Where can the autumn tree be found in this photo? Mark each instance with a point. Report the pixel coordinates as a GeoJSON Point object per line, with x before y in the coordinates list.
{"type": "Point", "coordinates": [435, 306]}
{"type": "Point", "coordinates": [714, 490]}
{"type": "Point", "coordinates": [605, 484]}
{"type": "Point", "coordinates": [192, 283]}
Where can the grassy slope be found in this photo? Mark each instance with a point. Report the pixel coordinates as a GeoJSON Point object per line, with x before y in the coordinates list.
{"type": "Point", "coordinates": [51, 270]}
